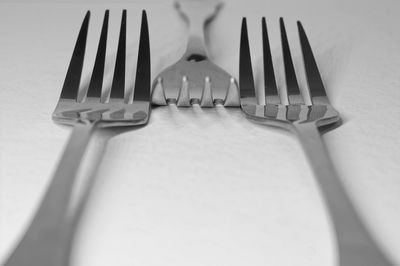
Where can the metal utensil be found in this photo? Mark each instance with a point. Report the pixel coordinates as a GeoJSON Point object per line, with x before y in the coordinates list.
{"type": "Point", "coordinates": [195, 79]}
{"type": "Point", "coordinates": [47, 240]}
{"type": "Point", "coordinates": [356, 247]}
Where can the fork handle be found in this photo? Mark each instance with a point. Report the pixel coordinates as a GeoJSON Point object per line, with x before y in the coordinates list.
{"type": "Point", "coordinates": [197, 14]}
{"type": "Point", "coordinates": [354, 243]}
{"type": "Point", "coordinates": [47, 240]}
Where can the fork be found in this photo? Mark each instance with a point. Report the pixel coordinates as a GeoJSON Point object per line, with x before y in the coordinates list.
{"type": "Point", "coordinates": [195, 79]}
{"type": "Point", "coordinates": [47, 240]}
{"type": "Point", "coordinates": [355, 245]}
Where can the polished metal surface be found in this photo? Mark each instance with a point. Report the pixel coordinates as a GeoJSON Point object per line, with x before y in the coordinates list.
{"type": "Point", "coordinates": [355, 245]}
{"type": "Point", "coordinates": [47, 240]}
{"type": "Point", "coordinates": [195, 79]}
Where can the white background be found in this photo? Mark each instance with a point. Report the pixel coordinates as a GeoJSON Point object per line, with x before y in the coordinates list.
{"type": "Point", "coordinates": [204, 187]}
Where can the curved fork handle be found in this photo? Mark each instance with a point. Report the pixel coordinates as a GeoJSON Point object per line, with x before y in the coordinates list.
{"type": "Point", "coordinates": [47, 240]}
{"type": "Point", "coordinates": [197, 14]}
{"type": "Point", "coordinates": [355, 245]}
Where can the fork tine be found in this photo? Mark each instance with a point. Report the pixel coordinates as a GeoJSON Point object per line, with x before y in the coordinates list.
{"type": "Point", "coordinates": [246, 79]}
{"type": "Point", "coordinates": [292, 86]}
{"type": "Point", "coordinates": [313, 76]}
{"type": "Point", "coordinates": [271, 90]}
{"type": "Point", "coordinates": [74, 72]}
{"type": "Point", "coordinates": [232, 94]}
{"type": "Point", "coordinates": [118, 84]}
{"type": "Point", "coordinates": [96, 80]}
{"type": "Point", "coordinates": [183, 99]}
{"type": "Point", "coordinates": [142, 80]}
{"type": "Point", "coordinates": [158, 93]}
{"type": "Point", "coordinates": [206, 95]}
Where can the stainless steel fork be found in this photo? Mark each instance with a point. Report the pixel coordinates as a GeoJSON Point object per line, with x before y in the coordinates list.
{"type": "Point", "coordinates": [355, 245]}
{"type": "Point", "coordinates": [195, 79]}
{"type": "Point", "coordinates": [48, 238]}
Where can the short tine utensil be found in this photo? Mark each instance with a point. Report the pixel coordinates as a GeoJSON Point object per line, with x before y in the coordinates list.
{"type": "Point", "coordinates": [355, 245]}
{"type": "Point", "coordinates": [48, 238]}
{"type": "Point", "coordinates": [195, 79]}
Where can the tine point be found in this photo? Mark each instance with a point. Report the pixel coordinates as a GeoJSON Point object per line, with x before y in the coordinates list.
{"type": "Point", "coordinates": [206, 96]}
{"type": "Point", "coordinates": [72, 79]}
{"type": "Point", "coordinates": [314, 80]}
{"type": "Point", "coordinates": [270, 87]}
{"type": "Point", "coordinates": [142, 88]}
{"type": "Point", "coordinates": [183, 99]}
{"type": "Point", "coordinates": [292, 86]}
{"type": "Point", "coordinates": [246, 79]}
{"type": "Point", "coordinates": [299, 25]}
{"type": "Point", "coordinates": [95, 84]}
{"type": "Point", "coordinates": [158, 94]}
{"type": "Point", "coordinates": [282, 24]}
{"type": "Point", "coordinates": [118, 83]}
{"type": "Point", "coordinates": [232, 94]}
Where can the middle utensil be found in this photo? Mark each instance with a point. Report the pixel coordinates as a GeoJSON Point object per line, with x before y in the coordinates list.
{"type": "Point", "coordinates": [195, 79]}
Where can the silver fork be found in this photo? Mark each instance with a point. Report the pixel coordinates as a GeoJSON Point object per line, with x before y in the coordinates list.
{"type": "Point", "coordinates": [355, 245]}
{"type": "Point", "coordinates": [195, 79]}
{"type": "Point", "coordinates": [48, 238]}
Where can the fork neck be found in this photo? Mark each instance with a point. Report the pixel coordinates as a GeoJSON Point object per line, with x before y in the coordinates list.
{"type": "Point", "coordinates": [197, 15]}
{"type": "Point", "coordinates": [196, 48]}
{"type": "Point", "coordinates": [196, 44]}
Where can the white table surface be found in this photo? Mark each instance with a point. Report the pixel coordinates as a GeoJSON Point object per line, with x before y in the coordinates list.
{"type": "Point", "coordinates": [205, 187]}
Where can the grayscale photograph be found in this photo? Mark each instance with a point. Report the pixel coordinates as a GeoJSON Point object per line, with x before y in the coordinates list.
{"type": "Point", "coordinates": [199, 133]}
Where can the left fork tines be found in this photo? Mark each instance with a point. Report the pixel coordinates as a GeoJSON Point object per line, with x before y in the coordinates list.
{"type": "Point", "coordinates": [92, 106]}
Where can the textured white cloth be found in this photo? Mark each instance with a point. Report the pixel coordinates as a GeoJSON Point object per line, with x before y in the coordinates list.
{"type": "Point", "coordinates": [205, 187]}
